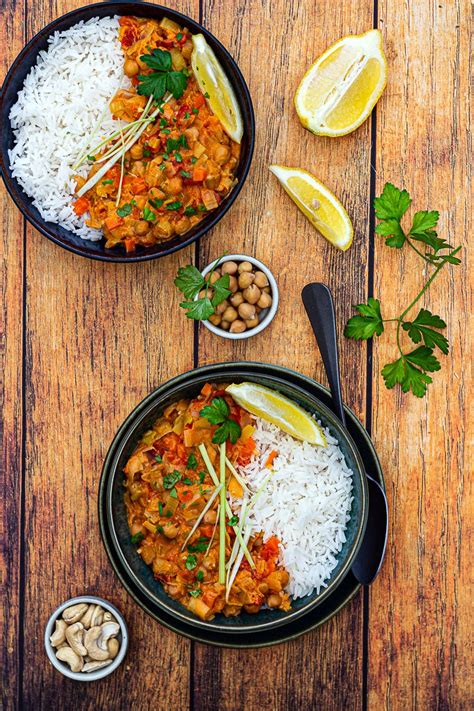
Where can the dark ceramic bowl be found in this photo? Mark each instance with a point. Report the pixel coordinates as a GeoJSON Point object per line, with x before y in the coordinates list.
{"type": "Point", "coordinates": [114, 527]}
{"type": "Point", "coordinates": [14, 82]}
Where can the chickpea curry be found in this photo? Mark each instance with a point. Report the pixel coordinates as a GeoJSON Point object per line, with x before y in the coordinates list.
{"type": "Point", "coordinates": [177, 163]}
{"type": "Point", "coordinates": [175, 516]}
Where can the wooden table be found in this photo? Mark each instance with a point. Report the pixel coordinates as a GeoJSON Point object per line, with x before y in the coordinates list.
{"type": "Point", "coordinates": [85, 342]}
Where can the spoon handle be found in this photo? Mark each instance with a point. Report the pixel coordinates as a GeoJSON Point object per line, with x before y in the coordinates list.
{"type": "Point", "coordinates": [319, 305]}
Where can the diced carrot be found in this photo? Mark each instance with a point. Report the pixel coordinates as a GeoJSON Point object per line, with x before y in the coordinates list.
{"type": "Point", "coordinates": [81, 206]}
{"type": "Point", "coordinates": [271, 458]}
{"type": "Point", "coordinates": [138, 185]}
{"type": "Point", "coordinates": [129, 244]}
{"type": "Point", "coordinates": [199, 174]}
{"type": "Point", "coordinates": [207, 390]}
{"type": "Point", "coordinates": [113, 222]}
{"type": "Point", "coordinates": [199, 101]}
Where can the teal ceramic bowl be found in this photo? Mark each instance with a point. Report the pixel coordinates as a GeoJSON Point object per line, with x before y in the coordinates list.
{"type": "Point", "coordinates": [114, 526]}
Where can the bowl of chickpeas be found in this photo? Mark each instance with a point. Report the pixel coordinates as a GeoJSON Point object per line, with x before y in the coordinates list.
{"type": "Point", "coordinates": [253, 301]}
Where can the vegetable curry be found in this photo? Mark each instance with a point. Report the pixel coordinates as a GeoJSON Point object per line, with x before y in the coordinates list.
{"type": "Point", "coordinates": [174, 512]}
{"type": "Point", "coordinates": [183, 163]}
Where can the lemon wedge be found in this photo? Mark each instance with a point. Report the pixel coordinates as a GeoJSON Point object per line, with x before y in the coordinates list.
{"type": "Point", "coordinates": [318, 204]}
{"type": "Point", "coordinates": [216, 87]}
{"type": "Point", "coordinates": [277, 409]}
{"type": "Point", "coordinates": [341, 88]}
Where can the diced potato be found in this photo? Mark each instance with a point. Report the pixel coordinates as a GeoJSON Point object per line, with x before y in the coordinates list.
{"type": "Point", "coordinates": [168, 24]}
{"type": "Point", "coordinates": [177, 59]}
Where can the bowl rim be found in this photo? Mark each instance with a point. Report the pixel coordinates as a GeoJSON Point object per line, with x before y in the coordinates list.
{"type": "Point", "coordinates": [271, 312]}
{"type": "Point", "coordinates": [62, 666]}
{"type": "Point", "coordinates": [23, 201]}
{"type": "Point", "coordinates": [110, 471]}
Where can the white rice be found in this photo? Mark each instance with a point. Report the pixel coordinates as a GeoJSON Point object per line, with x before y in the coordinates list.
{"type": "Point", "coordinates": [306, 504]}
{"type": "Point", "coordinates": [60, 104]}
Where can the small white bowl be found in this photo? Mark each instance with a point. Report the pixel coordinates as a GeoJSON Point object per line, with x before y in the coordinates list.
{"type": "Point", "coordinates": [267, 314]}
{"type": "Point", "coordinates": [99, 673]}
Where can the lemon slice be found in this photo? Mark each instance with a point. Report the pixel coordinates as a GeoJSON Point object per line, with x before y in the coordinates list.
{"type": "Point", "coordinates": [318, 204]}
{"type": "Point", "coordinates": [341, 88]}
{"type": "Point", "coordinates": [277, 409]}
{"type": "Point", "coordinates": [216, 87]}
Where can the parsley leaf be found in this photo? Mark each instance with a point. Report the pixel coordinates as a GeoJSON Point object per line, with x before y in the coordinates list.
{"type": "Point", "coordinates": [230, 429]}
{"type": "Point", "coordinates": [195, 593]}
{"type": "Point", "coordinates": [137, 537]}
{"type": "Point", "coordinates": [197, 548]}
{"type": "Point", "coordinates": [422, 328]}
{"type": "Point", "coordinates": [162, 78]}
{"type": "Point", "coordinates": [392, 203]}
{"type": "Point", "coordinates": [191, 562]}
{"type": "Point", "coordinates": [192, 462]}
{"type": "Point", "coordinates": [189, 281]}
{"type": "Point", "coordinates": [187, 481]}
{"type": "Point", "coordinates": [202, 476]}
{"type": "Point", "coordinates": [171, 479]}
{"type": "Point", "coordinates": [159, 59]}
{"type": "Point", "coordinates": [368, 323]}
{"type": "Point", "coordinates": [125, 210]}
{"type": "Point", "coordinates": [233, 521]}
{"type": "Point", "coordinates": [200, 576]}
{"type": "Point", "coordinates": [216, 412]}
{"type": "Point", "coordinates": [198, 310]}
{"type": "Point", "coordinates": [221, 290]}
{"type": "Point", "coordinates": [148, 215]}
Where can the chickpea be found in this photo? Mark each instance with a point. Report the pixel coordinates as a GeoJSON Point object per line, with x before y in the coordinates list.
{"type": "Point", "coordinates": [174, 185]}
{"type": "Point", "coordinates": [245, 279]}
{"type": "Point", "coordinates": [237, 326]}
{"type": "Point", "coordinates": [215, 319]}
{"type": "Point", "coordinates": [230, 314]}
{"type": "Point", "coordinates": [265, 300]}
{"type": "Point", "coordinates": [131, 68]}
{"type": "Point", "coordinates": [209, 562]}
{"type": "Point", "coordinates": [252, 294]}
{"type": "Point", "coordinates": [273, 600]}
{"type": "Point", "coordinates": [170, 530]}
{"type": "Point", "coordinates": [247, 311]}
{"type": "Point", "coordinates": [236, 299]}
{"type": "Point", "coordinates": [263, 588]}
{"type": "Point", "coordinates": [141, 227]}
{"type": "Point", "coordinates": [136, 151]}
{"type": "Point", "coordinates": [192, 134]}
{"type": "Point", "coordinates": [266, 289]}
{"type": "Point", "coordinates": [220, 308]}
{"type": "Point", "coordinates": [229, 268]}
{"type": "Point", "coordinates": [261, 279]}
{"type": "Point", "coordinates": [233, 284]}
{"type": "Point", "coordinates": [139, 168]}
{"type": "Point", "coordinates": [252, 323]}
{"type": "Point", "coordinates": [206, 292]}
{"type": "Point", "coordinates": [225, 325]}
{"type": "Point", "coordinates": [245, 267]}
{"type": "Point", "coordinates": [214, 276]}
{"type": "Point", "coordinates": [182, 225]}
{"type": "Point", "coordinates": [222, 154]}
{"type": "Point", "coordinates": [210, 516]}
{"type": "Point", "coordinates": [187, 50]}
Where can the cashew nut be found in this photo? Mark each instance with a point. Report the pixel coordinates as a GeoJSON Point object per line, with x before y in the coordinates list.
{"type": "Point", "coordinates": [97, 616]}
{"type": "Point", "coordinates": [66, 654]}
{"type": "Point", "coordinates": [113, 645]}
{"type": "Point", "coordinates": [92, 666]}
{"type": "Point", "coordinates": [74, 613]}
{"type": "Point", "coordinates": [86, 619]}
{"type": "Point", "coordinates": [59, 634]}
{"type": "Point", "coordinates": [96, 639]}
{"type": "Point", "coordinates": [75, 636]}
{"type": "Point", "coordinates": [108, 617]}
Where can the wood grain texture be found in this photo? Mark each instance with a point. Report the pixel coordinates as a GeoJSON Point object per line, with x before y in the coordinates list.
{"type": "Point", "coordinates": [420, 643]}
{"type": "Point", "coordinates": [11, 344]}
{"type": "Point", "coordinates": [99, 338]}
{"type": "Point", "coordinates": [265, 223]}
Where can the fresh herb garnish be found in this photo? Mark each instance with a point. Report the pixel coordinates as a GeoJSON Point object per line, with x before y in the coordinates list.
{"type": "Point", "coordinates": [107, 182]}
{"type": "Point", "coordinates": [190, 282]}
{"type": "Point", "coordinates": [171, 479]}
{"type": "Point", "coordinates": [173, 205]}
{"type": "Point", "coordinates": [185, 173]}
{"type": "Point", "coordinates": [173, 493]}
{"type": "Point", "coordinates": [148, 215]}
{"type": "Point", "coordinates": [125, 210]}
{"type": "Point", "coordinates": [197, 547]}
{"type": "Point", "coordinates": [233, 521]}
{"type": "Point", "coordinates": [137, 537]}
{"type": "Point", "coordinates": [166, 131]}
{"type": "Point", "coordinates": [160, 529]}
{"type": "Point", "coordinates": [195, 593]}
{"type": "Point", "coordinates": [411, 369]}
{"type": "Point", "coordinates": [189, 210]}
{"type": "Point", "coordinates": [206, 95]}
{"type": "Point", "coordinates": [195, 111]}
{"type": "Point", "coordinates": [163, 122]}
{"type": "Point", "coordinates": [192, 462]}
{"type": "Point", "coordinates": [188, 481]}
{"type": "Point", "coordinates": [162, 78]}
{"type": "Point", "coordinates": [146, 153]}
{"type": "Point", "coordinates": [202, 476]}
{"type": "Point", "coordinates": [158, 458]}
{"type": "Point", "coordinates": [187, 114]}
{"type": "Point", "coordinates": [160, 508]}
{"type": "Point", "coordinates": [178, 157]}
{"type": "Point", "coordinates": [179, 36]}
{"type": "Point", "coordinates": [200, 576]}
{"type": "Point", "coordinates": [172, 144]}
{"type": "Point", "coordinates": [193, 159]}
{"type": "Point", "coordinates": [156, 203]}
{"type": "Point", "coordinates": [217, 413]}
{"type": "Point", "coordinates": [191, 562]}
{"type": "Point", "coordinates": [91, 158]}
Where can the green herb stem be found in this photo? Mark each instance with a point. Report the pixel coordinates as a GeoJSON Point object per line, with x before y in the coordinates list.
{"type": "Point", "coordinates": [222, 516]}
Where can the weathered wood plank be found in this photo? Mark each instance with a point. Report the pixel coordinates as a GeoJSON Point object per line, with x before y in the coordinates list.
{"type": "Point", "coordinates": [274, 44]}
{"type": "Point", "coordinates": [11, 337]}
{"type": "Point", "coordinates": [419, 622]}
{"type": "Point", "coordinates": [99, 338]}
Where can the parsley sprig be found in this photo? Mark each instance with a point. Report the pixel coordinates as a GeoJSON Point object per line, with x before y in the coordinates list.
{"type": "Point", "coordinates": [217, 413]}
{"type": "Point", "coordinates": [162, 79]}
{"type": "Point", "coordinates": [190, 282]}
{"type": "Point", "coordinates": [411, 369]}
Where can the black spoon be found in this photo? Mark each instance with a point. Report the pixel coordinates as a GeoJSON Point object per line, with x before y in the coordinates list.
{"type": "Point", "coordinates": [319, 306]}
